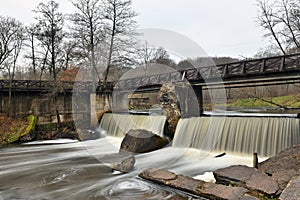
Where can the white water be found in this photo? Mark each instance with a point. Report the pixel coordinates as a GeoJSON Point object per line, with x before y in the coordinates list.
{"type": "Point", "coordinates": [119, 124]}
{"type": "Point", "coordinates": [78, 170]}
{"type": "Point", "coordinates": [244, 135]}
{"type": "Point", "coordinates": [67, 169]}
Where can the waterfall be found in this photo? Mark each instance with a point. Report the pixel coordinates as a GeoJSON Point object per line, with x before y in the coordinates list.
{"type": "Point", "coordinates": [119, 124]}
{"type": "Point", "coordinates": [245, 135]}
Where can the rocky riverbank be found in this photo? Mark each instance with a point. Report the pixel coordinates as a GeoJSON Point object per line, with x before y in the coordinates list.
{"type": "Point", "coordinates": [276, 178]}
{"type": "Point", "coordinates": [28, 128]}
{"type": "Point", "coordinates": [12, 130]}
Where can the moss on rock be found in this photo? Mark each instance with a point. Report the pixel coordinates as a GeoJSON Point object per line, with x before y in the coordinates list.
{"type": "Point", "coordinates": [31, 125]}
{"type": "Point", "coordinates": [12, 129]}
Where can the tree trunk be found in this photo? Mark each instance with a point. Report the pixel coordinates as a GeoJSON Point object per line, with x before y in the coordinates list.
{"type": "Point", "coordinates": [113, 32]}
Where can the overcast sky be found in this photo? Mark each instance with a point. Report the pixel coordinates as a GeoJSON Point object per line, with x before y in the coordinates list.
{"type": "Point", "coordinates": [220, 27]}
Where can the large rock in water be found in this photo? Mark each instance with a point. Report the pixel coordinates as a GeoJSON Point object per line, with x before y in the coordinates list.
{"type": "Point", "coordinates": [142, 141]}
{"type": "Point", "coordinates": [170, 104]}
{"type": "Point", "coordinates": [125, 165]}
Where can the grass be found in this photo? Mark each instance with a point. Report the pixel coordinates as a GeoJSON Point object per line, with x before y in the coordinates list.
{"type": "Point", "coordinates": [290, 101]}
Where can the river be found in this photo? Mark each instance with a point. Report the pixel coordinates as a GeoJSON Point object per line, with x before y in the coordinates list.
{"type": "Point", "coordinates": [66, 169]}
{"type": "Point", "coordinates": [69, 169]}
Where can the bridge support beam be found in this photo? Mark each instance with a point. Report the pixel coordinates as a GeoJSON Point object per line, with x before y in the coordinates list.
{"type": "Point", "coordinates": [120, 101]}
{"type": "Point", "coordinates": [199, 93]}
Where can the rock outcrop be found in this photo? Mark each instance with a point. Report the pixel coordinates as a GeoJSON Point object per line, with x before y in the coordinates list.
{"type": "Point", "coordinates": [193, 186]}
{"type": "Point", "coordinates": [171, 106]}
{"type": "Point", "coordinates": [178, 100]}
{"type": "Point", "coordinates": [17, 130]}
{"type": "Point", "coordinates": [247, 177]}
{"type": "Point", "coordinates": [84, 135]}
{"type": "Point", "coordinates": [142, 141]}
{"type": "Point", "coordinates": [125, 165]}
{"type": "Point", "coordinates": [292, 190]}
{"type": "Point", "coordinates": [276, 178]}
{"type": "Point", "coordinates": [284, 166]}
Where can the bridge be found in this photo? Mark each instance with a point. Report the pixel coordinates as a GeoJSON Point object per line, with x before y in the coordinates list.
{"type": "Point", "coordinates": [255, 72]}
{"type": "Point", "coordinates": [46, 86]}
{"type": "Point", "coordinates": [269, 70]}
{"type": "Point", "coordinates": [264, 71]}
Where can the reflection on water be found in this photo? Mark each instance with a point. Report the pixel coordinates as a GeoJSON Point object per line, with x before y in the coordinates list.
{"type": "Point", "coordinates": [79, 170]}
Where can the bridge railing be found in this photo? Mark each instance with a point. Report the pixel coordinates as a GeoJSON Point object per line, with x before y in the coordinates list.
{"type": "Point", "coordinates": [247, 68]}
{"type": "Point", "coordinates": [49, 85]}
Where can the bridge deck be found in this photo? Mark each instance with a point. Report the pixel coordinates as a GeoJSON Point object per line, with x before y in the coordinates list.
{"type": "Point", "coordinates": [281, 69]}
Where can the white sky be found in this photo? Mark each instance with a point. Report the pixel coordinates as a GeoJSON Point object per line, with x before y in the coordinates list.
{"type": "Point", "coordinates": [220, 27]}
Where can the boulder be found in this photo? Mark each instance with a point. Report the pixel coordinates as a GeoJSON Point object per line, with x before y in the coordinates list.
{"type": "Point", "coordinates": [126, 164]}
{"type": "Point", "coordinates": [248, 197]}
{"type": "Point", "coordinates": [193, 186]}
{"type": "Point", "coordinates": [233, 175]}
{"type": "Point", "coordinates": [282, 161]}
{"type": "Point", "coordinates": [178, 100]}
{"type": "Point", "coordinates": [142, 141]}
{"type": "Point", "coordinates": [84, 135]}
{"type": "Point", "coordinates": [283, 177]}
{"type": "Point", "coordinates": [171, 107]}
{"type": "Point", "coordinates": [283, 166]}
{"type": "Point", "coordinates": [247, 177]}
{"type": "Point", "coordinates": [262, 183]}
{"type": "Point", "coordinates": [292, 190]}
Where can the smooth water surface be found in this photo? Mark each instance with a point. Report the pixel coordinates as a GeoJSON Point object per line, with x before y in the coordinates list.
{"type": "Point", "coordinates": [67, 169]}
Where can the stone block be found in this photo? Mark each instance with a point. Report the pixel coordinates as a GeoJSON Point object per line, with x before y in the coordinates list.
{"type": "Point", "coordinates": [193, 186]}
{"type": "Point", "coordinates": [291, 192]}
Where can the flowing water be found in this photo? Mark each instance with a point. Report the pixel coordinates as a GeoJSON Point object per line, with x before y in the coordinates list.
{"type": "Point", "coordinates": [119, 124]}
{"type": "Point", "coordinates": [245, 135]}
{"type": "Point", "coordinates": [76, 170]}
{"type": "Point", "coordinates": [67, 169]}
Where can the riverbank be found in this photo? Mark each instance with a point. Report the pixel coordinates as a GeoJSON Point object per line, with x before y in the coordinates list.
{"type": "Point", "coordinates": [12, 129]}
{"type": "Point", "coordinates": [290, 101]}
{"type": "Point", "coordinates": [25, 129]}
{"type": "Point", "coordinates": [276, 178]}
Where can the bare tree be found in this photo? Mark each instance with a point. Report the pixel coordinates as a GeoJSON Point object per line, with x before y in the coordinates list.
{"type": "Point", "coordinates": [267, 21]}
{"type": "Point", "coordinates": [281, 20]}
{"type": "Point", "coordinates": [11, 42]}
{"type": "Point", "coordinates": [50, 34]}
{"type": "Point", "coordinates": [31, 44]}
{"type": "Point", "coordinates": [120, 29]}
{"type": "Point", "coordinates": [9, 32]}
{"type": "Point", "coordinates": [68, 53]}
{"type": "Point", "coordinates": [87, 30]}
{"type": "Point", "coordinates": [146, 53]}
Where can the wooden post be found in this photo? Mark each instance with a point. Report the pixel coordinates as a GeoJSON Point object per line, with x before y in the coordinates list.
{"type": "Point", "coordinates": [255, 160]}
{"type": "Point", "coordinates": [58, 119]}
{"type": "Point", "coordinates": [282, 65]}
{"type": "Point", "coordinates": [243, 69]}
{"type": "Point", "coordinates": [93, 114]}
{"type": "Point", "coordinates": [226, 70]}
{"type": "Point", "coordinates": [263, 66]}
